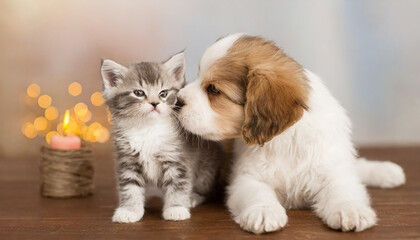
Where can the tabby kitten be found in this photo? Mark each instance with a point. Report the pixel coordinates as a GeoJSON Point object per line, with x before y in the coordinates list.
{"type": "Point", "coordinates": [150, 148]}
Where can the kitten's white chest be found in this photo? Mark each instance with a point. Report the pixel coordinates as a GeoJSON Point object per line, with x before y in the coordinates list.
{"type": "Point", "coordinates": [151, 141]}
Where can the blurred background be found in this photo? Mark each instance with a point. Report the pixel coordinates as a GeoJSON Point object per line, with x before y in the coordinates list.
{"type": "Point", "coordinates": [367, 52]}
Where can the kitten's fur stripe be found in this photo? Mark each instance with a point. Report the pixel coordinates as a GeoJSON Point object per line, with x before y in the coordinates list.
{"type": "Point", "coordinates": [148, 71]}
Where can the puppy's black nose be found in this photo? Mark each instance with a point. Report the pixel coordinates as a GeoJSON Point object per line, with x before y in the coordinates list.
{"type": "Point", "coordinates": [180, 102]}
{"type": "Point", "coordinates": [154, 104]}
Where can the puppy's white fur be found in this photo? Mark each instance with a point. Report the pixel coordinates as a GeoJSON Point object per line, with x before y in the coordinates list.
{"type": "Point", "coordinates": [311, 164]}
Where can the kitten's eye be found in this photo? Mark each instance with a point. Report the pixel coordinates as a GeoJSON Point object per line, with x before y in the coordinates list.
{"type": "Point", "coordinates": [212, 89]}
{"type": "Point", "coordinates": [163, 94]}
{"type": "Point", "coordinates": [139, 93]}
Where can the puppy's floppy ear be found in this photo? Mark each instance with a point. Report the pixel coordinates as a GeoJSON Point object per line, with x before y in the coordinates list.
{"type": "Point", "coordinates": [176, 66]}
{"type": "Point", "coordinates": [274, 102]}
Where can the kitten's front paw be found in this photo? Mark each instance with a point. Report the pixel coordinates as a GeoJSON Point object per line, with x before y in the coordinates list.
{"type": "Point", "coordinates": [176, 213]}
{"type": "Point", "coordinates": [124, 215]}
{"type": "Point", "coordinates": [261, 219]}
{"type": "Point", "coordinates": [196, 199]}
{"type": "Point", "coordinates": [349, 218]}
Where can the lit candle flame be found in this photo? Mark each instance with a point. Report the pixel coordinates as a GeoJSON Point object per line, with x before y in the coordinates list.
{"type": "Point", "coordinates": [66, 122]}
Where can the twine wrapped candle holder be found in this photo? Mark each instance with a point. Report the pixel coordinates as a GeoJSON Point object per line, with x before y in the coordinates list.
{"type": "Point", "coordinates": [66, 173]}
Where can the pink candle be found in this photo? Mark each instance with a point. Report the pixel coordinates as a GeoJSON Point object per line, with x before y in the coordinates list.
{"type": "Point", "coordinates": [65, 143]}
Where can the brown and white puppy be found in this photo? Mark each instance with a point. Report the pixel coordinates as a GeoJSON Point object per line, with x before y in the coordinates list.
{"type": "Point", "coordinates": [292, 138]}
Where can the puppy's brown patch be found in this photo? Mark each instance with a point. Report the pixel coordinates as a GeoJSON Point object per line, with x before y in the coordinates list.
{"type": "Point", "coordinates": [262, 90]}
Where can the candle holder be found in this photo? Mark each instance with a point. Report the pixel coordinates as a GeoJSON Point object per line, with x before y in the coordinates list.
{"type": "Point", "coordinates": [66, 173]}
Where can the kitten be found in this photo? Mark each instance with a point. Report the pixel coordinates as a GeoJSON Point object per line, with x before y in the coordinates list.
{"type": "Point", "coordinates": [149, 146]}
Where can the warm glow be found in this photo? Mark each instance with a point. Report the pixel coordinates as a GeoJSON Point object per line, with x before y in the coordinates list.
{"type": "Point", "coordinates": [40, 123]}
{"type": "Point", "coordinates": [50, 134]}
{"type": "Point", "coordinates": [83, 131]}
{"type": "Point", "coordinates": [86, 117]}
{"type": "Point", "coordinates": [73, 128]}
{"type": "Point", "coordinates": [60, 128]}
{"type": "Point", "coordinates": [90, 136]}
{"type": "Point", "coordinates": [30, 100]}
{"type": "Point", "coordinates": [44, 101]}
{"type": "Point", "coordinates": [80, 109]}
{"type": "Point", "coordinates": [97, 99]}
{"type": "Point", "coordinates": [75, 89]}
{"type": "Point", "coordinates": [93, 132]}
{"type": "Point", "coordinates": [95, 125]}
{"type": "Point", "coordinates": [29, 130]}
{"type": "Point", "coordinates": [102, 135]}
{"type": "Point", "coordinates": [51, 113]}
{"type": "Point", "coordinates": [108, 116]}
{"type": "Point", "coordinates": [72, 123]}
{"type": "Point", "coordinates": [33, 90]}
{"type": "Point", "coordinates": [66, 121]}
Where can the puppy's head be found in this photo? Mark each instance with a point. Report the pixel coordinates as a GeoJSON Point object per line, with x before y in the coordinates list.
{"type": "Point", "coordinates": [246, 86]}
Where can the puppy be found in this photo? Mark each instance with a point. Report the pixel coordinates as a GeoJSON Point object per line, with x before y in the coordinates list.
{"type": "Point", "coordinates": [292, 138]}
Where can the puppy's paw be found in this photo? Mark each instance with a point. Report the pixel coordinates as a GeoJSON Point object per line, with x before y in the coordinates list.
{"type": "Point", "coordinates": [389, 175]}
{"type": "Point", "coordinates": [125, 215]}
{"type": "Point", "coordinates": [352, 218]}
{"type": "Point", "coordinates": [196, 199]}
{"type": "Point", "coordinates": [176, 213]}
{"type": "Point", "coordinates": [261, 219]}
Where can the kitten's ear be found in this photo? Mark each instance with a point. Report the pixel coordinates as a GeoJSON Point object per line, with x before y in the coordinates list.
{"type": "Point", "coordinates": [176, 66]}
{"type": "Point", "coordinates": [112, 73]}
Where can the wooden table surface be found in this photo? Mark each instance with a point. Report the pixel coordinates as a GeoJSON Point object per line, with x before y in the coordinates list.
{"type": "Point", "coordinates": [24, 214]}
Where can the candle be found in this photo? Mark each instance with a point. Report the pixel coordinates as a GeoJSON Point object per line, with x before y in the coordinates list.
{"type": "Point", "coordinates": [65, 142]}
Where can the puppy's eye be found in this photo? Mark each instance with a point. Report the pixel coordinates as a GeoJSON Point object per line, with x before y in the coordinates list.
{"type": "Point", "coordinates": [212, 89]}
{"type": "Point", "coordinates": [139, 93]}
{"type": "Point", "coordinates": [163, 94]}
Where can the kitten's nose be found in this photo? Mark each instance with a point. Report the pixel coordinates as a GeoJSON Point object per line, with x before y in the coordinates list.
{"type": "Point", "coordinates": [154, 104]}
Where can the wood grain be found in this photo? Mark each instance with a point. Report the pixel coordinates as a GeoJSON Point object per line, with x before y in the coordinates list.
{"type": "Point", "coordinates": [24, 214]}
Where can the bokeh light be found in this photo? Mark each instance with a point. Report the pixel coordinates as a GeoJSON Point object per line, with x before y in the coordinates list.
{"type": "Point", "coordinates": [75, 89]}
{"type": "Point", "coordinates": [29, 130]}
{"type": "Point", "coordinates": [50, 134]}
{"type": "Point", "coordinates": [95, 125]}
{"type": "Point", "coordinates": [93, 132]}
{"type": "Point", "coordinates": [51, 113]}
{"type": "Point", "coordinates": [60, 128]}
{"type": "Point", "coordinates": [40, 123]}
{"type": "Point", "coordinates": [73, 122]}
{"type": "Point", "coordinates": [97, 99]}
{"type": "Point", "coordinates": [90, 136]}
{"type": "Point", "coordinates": [83, 131]}
{"type": "Point", "coordinates": [73, 128]}
{"type": "Point", "coordinates": [33, 90]}
{"type": "Point", "coordinates": [86, 117]}
{"type": "Point", "coordinates": [44, 101]}
{"type": "Point", "coordinates": [102, 135]}
{"type": "Point", "coordinates": [80, 109]}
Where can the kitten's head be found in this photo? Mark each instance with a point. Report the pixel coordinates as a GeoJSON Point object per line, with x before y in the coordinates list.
{"type": "Point", "coordinates": [143, 90]}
